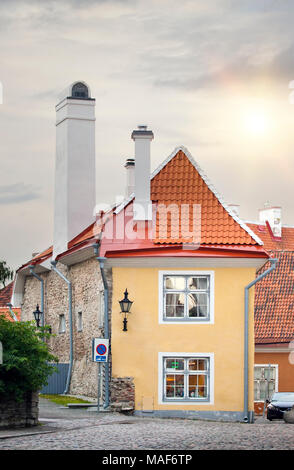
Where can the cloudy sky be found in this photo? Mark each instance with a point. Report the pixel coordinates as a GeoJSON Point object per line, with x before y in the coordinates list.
{"type": "Point", "coordinates": [212, 76]}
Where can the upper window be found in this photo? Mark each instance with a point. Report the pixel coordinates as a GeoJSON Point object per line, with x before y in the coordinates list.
{"type": "Point", "coordinates": [79, 90]}
{"type": "Point", "coordinates": [186, 297]}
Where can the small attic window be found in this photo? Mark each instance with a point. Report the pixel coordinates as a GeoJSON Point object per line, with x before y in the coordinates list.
{"type": "Point", "coordinates": [79, 90]}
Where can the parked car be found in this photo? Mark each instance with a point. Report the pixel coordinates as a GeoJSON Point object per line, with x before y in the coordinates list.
{"type": "Point", "coordinates": [278, 404]}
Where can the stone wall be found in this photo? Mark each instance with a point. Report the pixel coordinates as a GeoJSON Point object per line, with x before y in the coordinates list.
{"type": "Point", "coordinates": [87, 299]}
{"type": "Point", "coordinates": [15, 414]}
{"type": "Point", "coordinates": [122, 393]}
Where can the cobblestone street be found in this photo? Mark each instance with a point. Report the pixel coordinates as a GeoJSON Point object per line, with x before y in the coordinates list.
{"type": "Point", "coordinates": [64, 429]}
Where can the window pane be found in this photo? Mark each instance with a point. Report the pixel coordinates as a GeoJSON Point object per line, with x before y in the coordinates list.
{"type": "Point", "coordinates": [174, 282]}
{"type": "Point", "coordinates": [257, 372]}
{"type": "Point", "coordinates": [176, 364]}
{"type": "Point", "coordinates": [198, 305]}
{"type": "Point", "coordinates": [174, 386]}
{"type": "Point", "coordinates": [269, 373]}
{"type": "Point", "coordinates": [198, 283]}
{"type": "Point", "coordinates": [197, 386]}
{"type": "Point", "coordinates": [174, 305]}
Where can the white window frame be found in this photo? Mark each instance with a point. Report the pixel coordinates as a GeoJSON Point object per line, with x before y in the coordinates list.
{"type": "Point", "coordinates": [180, 320]}
{"type": "Point", "coordinates": [62, 324]}
{"type": "Point", "coordinates": [179, 401]}
{"type": "Point", "coordinates": [80, 321]}
{"type": "Point", "coordinates": [276, 366]}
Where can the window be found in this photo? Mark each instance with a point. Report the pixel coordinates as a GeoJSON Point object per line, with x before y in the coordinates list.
{"type": "Point", "coordinates": [186, 297]}
{"type": "Point", "coordinates": [80, 321]}
{"type": "Point", "coordinates": [265, 381]}
{"type": "Point", "coordinates": [61, 324]}
{"type": "Point", "coordinates": [186, 378]}
{"type": "Point", "coordinates": [79, 90]}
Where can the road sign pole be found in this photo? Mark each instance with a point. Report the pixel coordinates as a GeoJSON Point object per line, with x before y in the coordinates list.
{"type": "Point", "coordinates": [99, 386]}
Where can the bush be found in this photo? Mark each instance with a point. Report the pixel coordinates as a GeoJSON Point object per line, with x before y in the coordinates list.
{"type": "Point", "coordinates": [26, 358]}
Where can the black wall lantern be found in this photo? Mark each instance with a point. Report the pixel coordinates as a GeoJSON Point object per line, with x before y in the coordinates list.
{"type": "Point", "coordinates": [38, 314]}
{"type": "Point", "coordinates": [125, 308]}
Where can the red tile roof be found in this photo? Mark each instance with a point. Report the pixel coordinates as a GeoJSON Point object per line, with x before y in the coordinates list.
{"type": "Point", "coordinates": [271, 243]}
{"type": "Point", "coordinates": [7, 314]}
{"type": "Point", "coordinates": [181, 181]}
{"type": "Point", "coordinates": [6, 294]}
{"type": "Point", "coordinates": [274, 302]}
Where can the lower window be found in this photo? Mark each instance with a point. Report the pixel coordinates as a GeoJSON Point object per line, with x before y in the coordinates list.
{"type": "Point", "coordinates": [186, 378]}
{"type": "Point", "coordinates": [265, 381]}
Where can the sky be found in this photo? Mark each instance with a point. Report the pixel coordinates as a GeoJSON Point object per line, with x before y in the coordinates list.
{"type": "Point", "coordinates": [216, 77]}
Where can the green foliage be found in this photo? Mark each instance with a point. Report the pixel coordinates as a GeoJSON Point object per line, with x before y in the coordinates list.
{"type": "Point", "coordinates": [6, 274]}
{"type": "Point", "coordinates": [26, 358]}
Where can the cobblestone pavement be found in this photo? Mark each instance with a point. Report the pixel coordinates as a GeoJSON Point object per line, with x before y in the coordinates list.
{"type": "Point", "coordinates": [64, 429]}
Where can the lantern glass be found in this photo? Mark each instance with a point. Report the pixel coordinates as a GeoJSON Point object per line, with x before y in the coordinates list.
{"type": "Point", "coordinates": [37, 315]}
{"type": "Point", "coordinates": [125, 303]}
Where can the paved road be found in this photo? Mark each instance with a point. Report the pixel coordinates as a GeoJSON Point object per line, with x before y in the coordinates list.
{"type": "Point", "coordinates": [65, 429]}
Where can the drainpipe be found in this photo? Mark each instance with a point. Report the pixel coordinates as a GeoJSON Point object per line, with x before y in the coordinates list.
{"type": "Point", "coordinates": [53, 263]}
{"type": "Point", "coordinates": [273, 262]}
{"type": "Point", "coordinates": [12, 312]}
{"type": "Point", "coordinates": [42, 291]}
{"type": "Point", "coordinates": [101, 261]}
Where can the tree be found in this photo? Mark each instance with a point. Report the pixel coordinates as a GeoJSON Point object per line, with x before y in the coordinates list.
{"type": "Point", "coordinates": [5, 273]}
{"type": "Point", "coordinates": [26, 358]}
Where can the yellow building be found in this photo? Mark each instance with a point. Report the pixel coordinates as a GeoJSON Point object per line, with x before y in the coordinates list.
{"type": "Point", "coordinates": [186, 348]}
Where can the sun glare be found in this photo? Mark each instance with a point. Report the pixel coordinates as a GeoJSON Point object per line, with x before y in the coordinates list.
{"type": "Point", "coordinates": [256, 123]}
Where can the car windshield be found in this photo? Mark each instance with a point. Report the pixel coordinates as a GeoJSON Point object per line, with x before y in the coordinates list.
{"type": "Point", "coordinates": [283, 397]}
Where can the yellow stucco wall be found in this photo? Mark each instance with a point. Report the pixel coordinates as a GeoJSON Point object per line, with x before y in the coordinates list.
{"type": "Point", "coordinates": [135, 352]}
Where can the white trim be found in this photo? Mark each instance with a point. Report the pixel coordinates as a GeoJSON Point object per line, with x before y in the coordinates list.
{"type": "Point", "coordinates": [161, 321]}
{"type": "Point", "coordinates": [162, 355]}
{"type": "Point", "coordinates": [183, 262]}
{"type": "Point", "coordinates": [284, 350]}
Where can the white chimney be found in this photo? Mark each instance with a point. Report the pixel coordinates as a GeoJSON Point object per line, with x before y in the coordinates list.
{"type": "Point", "coordinates": [272, 215]}
{"type": "Point", "coordinates": [142, 204]}
{"type": "Point", "coordinates": [130, 171]}
{"type": "Point", "coordinates": [75, 193]}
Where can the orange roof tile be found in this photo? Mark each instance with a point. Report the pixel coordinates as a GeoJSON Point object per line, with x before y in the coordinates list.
{"type": "Point", "coordinates": [7, 314]}
{"type": "Point", "coordinates": [180, 181]}
{"type": "Point", "coordinates": [270, 243]}
{"type": "Point", "coordinates": [274, 301]}
{"type": "Point", "coordinates": [6, 294]}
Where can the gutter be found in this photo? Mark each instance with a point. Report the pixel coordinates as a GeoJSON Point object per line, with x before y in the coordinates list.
{"type": "Point", "coordinates": [248, 416]}
{"type": "Point", "coordinates": [101, 261]}
{"type": "Point", "coordinates": [42, 291]}
{"type": "Point", "coordinates": [53, 263]}
{"type": "Point", "coordinates": [12, 312]}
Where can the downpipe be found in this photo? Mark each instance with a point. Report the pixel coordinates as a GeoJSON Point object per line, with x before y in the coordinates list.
{"type": "Point", "coordinates": [101, 261]}
{"type": "Point", "coordinates": [53, 264]}
{"type": "Point", "coordinates": [42, 292]}
{"type": "Point", "coordinates": [247, 418]}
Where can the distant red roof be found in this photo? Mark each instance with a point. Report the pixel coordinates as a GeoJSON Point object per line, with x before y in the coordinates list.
{"type": "Point", "coordinates": [7, 314]}
{"type": "Point", "coordinates": [6, 294]}
{"type": "Point", "coordinates": [274, 302]}
{"type": "Point", "coordinates": [271, 243]}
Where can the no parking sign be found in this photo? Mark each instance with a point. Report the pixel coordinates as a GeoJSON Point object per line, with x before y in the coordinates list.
{"type": "Point", "coordinates": [100, 349]}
